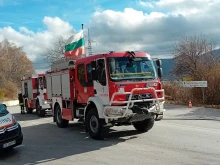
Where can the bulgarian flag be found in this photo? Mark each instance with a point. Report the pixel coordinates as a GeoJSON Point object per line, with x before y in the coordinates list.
{"type": "Point", "coordinates": [75, 45]}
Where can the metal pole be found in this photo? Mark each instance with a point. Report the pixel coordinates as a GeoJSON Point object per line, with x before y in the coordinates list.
{"type": "Point", "coordinates": [203, 95]}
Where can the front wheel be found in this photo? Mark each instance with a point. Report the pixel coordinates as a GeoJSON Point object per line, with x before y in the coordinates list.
{"type": "Point", "coordinates": [145, 125]}
{"type": "Point", "coordinates": [95, 126]}
{"type": "Point", "coordinates": [62, 123]}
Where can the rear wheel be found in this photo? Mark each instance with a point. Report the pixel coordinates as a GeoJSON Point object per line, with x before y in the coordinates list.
{"type": "Point", "coordinates": [62, 123]}
{"type": "Point", "coordinates": [40, 112]}
{"type": "Point", "coordinates": [145, 125]}
{"type": "Point", "coordinates": [95, 125]}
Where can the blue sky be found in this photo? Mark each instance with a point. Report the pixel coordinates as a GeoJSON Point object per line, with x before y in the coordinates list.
{"type": "Point", "coordinates": [29, 13]}
{"type": "Point", "coordinates": [152, 26]}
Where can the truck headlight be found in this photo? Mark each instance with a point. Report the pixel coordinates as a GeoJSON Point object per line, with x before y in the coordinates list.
{"type": "Point", "coordinates": [44, 101]}
{"type": "Point", "coordinates": [113, 111]}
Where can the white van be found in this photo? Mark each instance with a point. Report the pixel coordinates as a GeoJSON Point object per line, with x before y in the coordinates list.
{"type": "Point", "coordinates": [10, 130]}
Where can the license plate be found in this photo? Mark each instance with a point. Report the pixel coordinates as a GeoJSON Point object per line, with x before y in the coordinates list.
{"type": "Point", "coordinates": [9, 144]}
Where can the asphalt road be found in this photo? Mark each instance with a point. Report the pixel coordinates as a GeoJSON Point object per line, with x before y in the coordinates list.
{"type": "Point", "coordinates": [184, 137]}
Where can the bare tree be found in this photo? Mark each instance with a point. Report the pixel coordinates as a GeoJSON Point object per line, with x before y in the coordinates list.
{"type": "Point", "coordinates": [56, 51]}
{"type": "Point", "coordinates": [13, 65]}
{"type": "Point", "coordinates": [192, 56]}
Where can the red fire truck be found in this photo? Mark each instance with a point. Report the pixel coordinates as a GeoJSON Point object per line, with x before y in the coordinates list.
{"type": "Point", "coordinates": [105, 90]}
{"type": "Point", "coordinates": [35, 96]}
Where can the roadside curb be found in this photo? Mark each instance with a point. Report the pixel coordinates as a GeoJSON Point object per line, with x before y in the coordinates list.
{"type": "Point", "coordinates": [11, 103]}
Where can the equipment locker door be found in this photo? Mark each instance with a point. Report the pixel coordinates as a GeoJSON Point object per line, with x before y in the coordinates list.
{"type": "Point", "coordinates": [81, 84]}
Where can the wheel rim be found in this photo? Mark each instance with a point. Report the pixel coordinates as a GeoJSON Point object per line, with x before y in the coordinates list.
{"type": "Point", "coordinates": [58, 115]}
{"type": "Point", "coordinates": [94, 124]}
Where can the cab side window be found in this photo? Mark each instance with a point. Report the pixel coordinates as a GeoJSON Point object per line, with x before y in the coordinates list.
{"type": "Point", "coordinates": [101, 72]}
{"type": "Point", "coordinates": [81, 74]}
{"type": "Point", "coordinates": [89, 75]}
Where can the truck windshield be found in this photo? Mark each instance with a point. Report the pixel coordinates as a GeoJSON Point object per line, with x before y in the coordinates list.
{"type": "Point", "coordinates": [125, 68]}
{"type": "Point", "coordinates": [3, 110]}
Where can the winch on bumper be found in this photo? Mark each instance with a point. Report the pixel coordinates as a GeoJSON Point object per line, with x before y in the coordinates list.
{"type": "Point", "coordinates": [130, 111]}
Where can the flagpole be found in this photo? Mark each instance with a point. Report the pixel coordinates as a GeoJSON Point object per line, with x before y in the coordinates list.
{"type": "Point", "coordinates": [85, 45]}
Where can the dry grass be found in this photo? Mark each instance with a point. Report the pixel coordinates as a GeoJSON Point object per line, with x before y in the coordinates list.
{"type": "Point", "coordinates": [176, 94]}
{"type": "Point", "coordinates": [9, 92]}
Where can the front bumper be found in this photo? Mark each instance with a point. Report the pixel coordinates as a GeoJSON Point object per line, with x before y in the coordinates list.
{"type": "Point", "coordinates": [46, 106]}
{"type": "Point", "coordinates": [116, 112]}
{"type": "Point", "coordinates": [11, 142]}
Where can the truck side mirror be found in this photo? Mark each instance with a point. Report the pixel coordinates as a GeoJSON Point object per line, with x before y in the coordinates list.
{"type": "Point", "coordinates": [160, 72]}
{"type": "Point", "coordinates": [93, 65]}
{"type": "Point", "coordinates": [159, 63]}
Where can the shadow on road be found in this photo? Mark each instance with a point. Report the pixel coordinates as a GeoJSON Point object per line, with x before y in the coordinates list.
{"type": "Point", "coordinates": [47, 142]}
{"type": "Point", "coordinates": [27, 117]}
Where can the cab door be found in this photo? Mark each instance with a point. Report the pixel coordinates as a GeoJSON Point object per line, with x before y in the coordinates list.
{"type": "Point", "coordinates": [101, 84]}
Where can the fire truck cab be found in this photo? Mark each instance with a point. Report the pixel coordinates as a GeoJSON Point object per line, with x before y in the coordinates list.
{"type": "Point", "coordinates": [105, 90]}
{"type": "Point", "coordinates": [35, 96]}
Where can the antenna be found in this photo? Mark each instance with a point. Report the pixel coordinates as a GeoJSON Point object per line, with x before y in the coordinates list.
{"type": "Point", "coordinates": [89, 44]}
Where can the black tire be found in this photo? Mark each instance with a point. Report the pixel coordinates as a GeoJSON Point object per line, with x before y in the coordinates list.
{"type": "Point", "coordinates": [145, 125]}
{"type": "Point", "coordinates": [39, 111]}
{"type": "Point", "coordinates": [61, 123]}
{"type": "Point", "coordinates": [30, 111]}
{"type": "Point", "coordinates": [96, 126]}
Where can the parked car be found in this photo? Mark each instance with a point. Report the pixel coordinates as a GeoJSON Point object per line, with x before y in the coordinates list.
{"type": "Point", "coordinates": [10, 130]}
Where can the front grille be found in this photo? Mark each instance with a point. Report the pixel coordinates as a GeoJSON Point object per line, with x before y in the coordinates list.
{"type": "Point", "coordinates": [140, 96]}
{"type": "Point", "coordinates": [9, 134]}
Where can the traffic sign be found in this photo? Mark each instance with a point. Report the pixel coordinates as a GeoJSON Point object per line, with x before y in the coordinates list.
{"type": "Point", "coordinates": [194, 83]}
{"type": "Point", "coordinates": [187, 79]}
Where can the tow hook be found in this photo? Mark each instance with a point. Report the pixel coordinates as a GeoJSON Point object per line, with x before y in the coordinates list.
{"type": "Point", "coordinates": [158, 117]}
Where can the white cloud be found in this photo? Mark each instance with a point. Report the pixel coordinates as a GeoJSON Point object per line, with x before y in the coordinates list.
{"type": "Point", "coordinates": [57, 26]}
{"type": "Point", "coordinates": [184, 7]}
{"type": "Point", "coordinates": [35, 43]}
{"type": "Point", "coordinates": [154, 32]}
{"type": "Point", "coordinates": [26, 31]}
{"type": "Point", "coordinates": [146, 4]}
